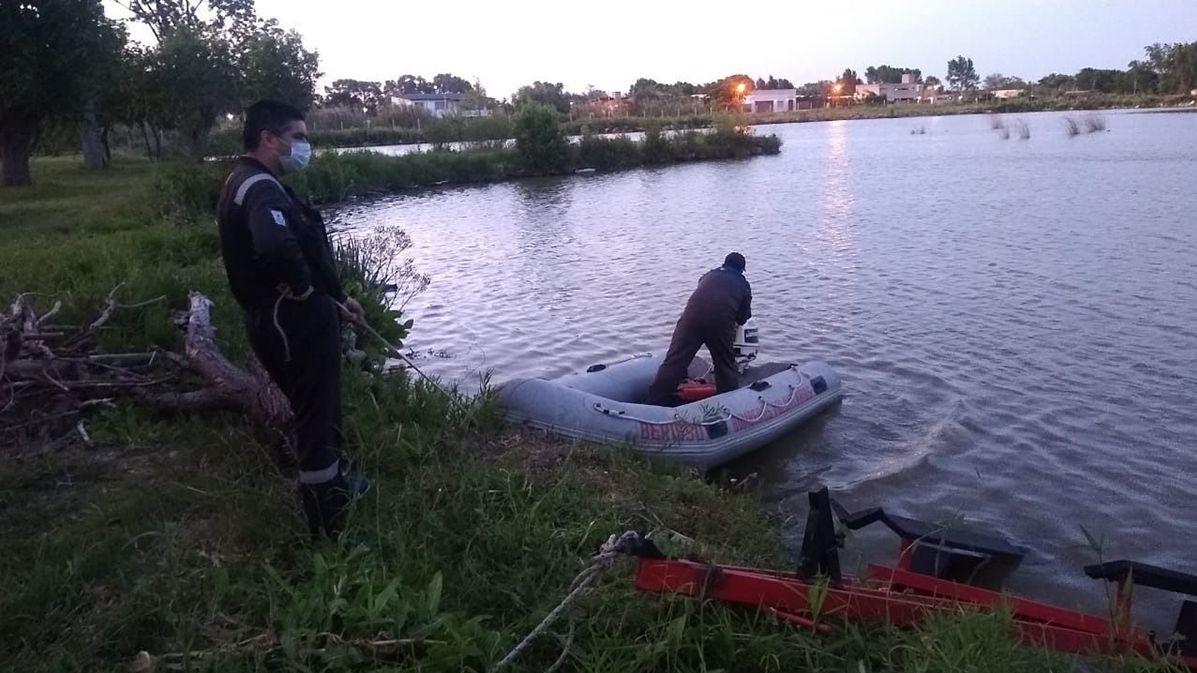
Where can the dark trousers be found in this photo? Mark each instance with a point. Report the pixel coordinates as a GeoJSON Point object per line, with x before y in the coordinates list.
{"type": "Point", "coordinates": [311, 379]}
{"type": "Point", "coordinates": [688, 337]}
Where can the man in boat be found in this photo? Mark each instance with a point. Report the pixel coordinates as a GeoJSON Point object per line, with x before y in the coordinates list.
{"type": "Point", "coordinates": [280, 267]}
{"type": "Point", "coordinates": [722, 300]}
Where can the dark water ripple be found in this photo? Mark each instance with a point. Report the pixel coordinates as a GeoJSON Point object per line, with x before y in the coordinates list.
{"type": "Point", "coordinates": [1014, 320]}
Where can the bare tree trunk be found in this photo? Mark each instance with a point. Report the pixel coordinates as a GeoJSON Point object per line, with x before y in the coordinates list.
{"type": "Point", "coordinates": [145, 135]}
{"type": "Point", "coordinates": [16, 139]}
{"type": "Point", "coordinates": [95, 155]}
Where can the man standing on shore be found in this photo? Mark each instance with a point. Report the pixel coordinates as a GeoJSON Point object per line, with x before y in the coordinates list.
{"type": "Point", "coordinates": [279, 262]}
{"type": "Point", "coordinates": [722, 300]}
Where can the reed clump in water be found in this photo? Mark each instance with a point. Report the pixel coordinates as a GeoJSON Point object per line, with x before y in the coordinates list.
{"type": "Point", "coordinates": [1071, 127]}
{"type": "Point", "coordinates": [1090, 123]}
{"type": "Point", "coordinates": [998, 123]}
{"type": "Point", "coordinates": [1094, 123]}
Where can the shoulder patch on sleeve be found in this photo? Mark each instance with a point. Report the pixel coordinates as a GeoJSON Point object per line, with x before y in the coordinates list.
{"type": "Point", "coordinates": [279, 219]}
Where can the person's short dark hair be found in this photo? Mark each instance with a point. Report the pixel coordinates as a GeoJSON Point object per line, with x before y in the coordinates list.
{"type": "Point", "coordinates": [267, 115]}
{"type": "Point", "coordinates": [735, 260]}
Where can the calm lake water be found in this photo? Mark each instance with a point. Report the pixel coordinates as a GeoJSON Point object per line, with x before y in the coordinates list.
{"type": "Point", "coordinates": [1015, 321]}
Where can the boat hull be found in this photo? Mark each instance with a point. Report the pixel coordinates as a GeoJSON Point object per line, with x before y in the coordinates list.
{"type": "Point", "coordinates": [605, 405]}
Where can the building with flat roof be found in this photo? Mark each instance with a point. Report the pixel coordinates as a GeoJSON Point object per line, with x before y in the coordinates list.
{"type": "Point", "coordinates": [771, 100]}
{"type": "Point", "coordinates": [441, 104]}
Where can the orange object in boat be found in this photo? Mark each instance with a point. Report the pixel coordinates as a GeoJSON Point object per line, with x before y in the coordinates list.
{"type": "Point", "coordinates": [693, 390]}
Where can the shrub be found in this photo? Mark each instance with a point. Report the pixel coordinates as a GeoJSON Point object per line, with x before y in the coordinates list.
{"type": "Point", "coordinates": [185, 190]}
{"type": "Point", "coordinates": [608, 153]}
{"type": "Point", "coordinates": [539, 139]}
{"type": "Point", "coordinates": [655, 149]}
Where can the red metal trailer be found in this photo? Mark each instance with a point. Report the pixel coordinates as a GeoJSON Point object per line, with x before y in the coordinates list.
{"type": "Point", "coordinates": [940, 569]}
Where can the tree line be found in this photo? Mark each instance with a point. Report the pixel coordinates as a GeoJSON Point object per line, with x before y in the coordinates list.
{"type": "Point", "coordinates": [64, 63]}
{"type": "Point", "coordinates": [67, 68]}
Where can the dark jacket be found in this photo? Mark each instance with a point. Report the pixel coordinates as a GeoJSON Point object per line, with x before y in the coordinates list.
{"type": "Point", "coordinates": [268, 237]}
{"type": "Point", "coordinates": [723, 298]}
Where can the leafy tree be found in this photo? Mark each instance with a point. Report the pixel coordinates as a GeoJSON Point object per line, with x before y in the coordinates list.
{"type": "Point", "coordinates": [644, 89]}
{"type": "Point", "coordinates": [51, 51]}
{"type": "Point", "coordinates": [684, 88]}
{"type": "Point", "coordinates": [447, 83]}
{"type": "Point", "coordinates": [545, 93]}
{"type": "Point", "coordinates": [999, 81]}
{"type": "Point", "coordinates": [1140, 78]}
{"type": "Point", "coordinates": [814, 89]}
{"type": "Point", "coordinates": [274, 64]}
{"type": "Point", "coordinates": [1175, 64]}
{"type": "Point", "coordinates": [1056, 82]}
{"type": "Point", "coordinates": [198, 72]}
{"type": "Point", "coordinates": [888, 74]}
{"type": "Point", "coordinates": [727, 91]}
{"type": "Point", "coordinates": [651, 88]}
{"type": "Point", "coordinates": [961, 74]}
{"type": "Point", "coordinates": [1098, 79]}
{"type": "Point", "coordinates": [932, 80]}
{"type": "Point", "coordinates": [848, 81]}
{"type": "Point", "coordinates": [211, 56]}
{"type": "Point", "coordinates": [354, 93]}
{"type": "Point", "coordinates": [133, 97]}
{"type": "Point", "coordinates": [773, 83]}
{"type": "Point", "coordinates": [539, 139]}
{"type": "Point", "coordinates": [163, 17]}
{"type": "Point", "coordinates": [406, 84]}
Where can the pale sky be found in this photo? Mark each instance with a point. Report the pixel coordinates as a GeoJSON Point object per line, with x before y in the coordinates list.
{"type": "Point", "coordinates": [610, 44]}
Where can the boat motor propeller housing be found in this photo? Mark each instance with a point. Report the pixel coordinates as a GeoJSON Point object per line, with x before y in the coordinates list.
{"type": "Point", "coordinates": [746, 343]}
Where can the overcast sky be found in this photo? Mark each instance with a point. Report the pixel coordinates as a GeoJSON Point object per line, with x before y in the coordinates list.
{"type": "Point", "coordinates": [610, 44]}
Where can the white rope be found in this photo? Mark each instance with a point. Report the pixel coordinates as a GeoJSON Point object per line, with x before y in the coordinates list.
{"type": "Point", "coordinates": [612, 548]}
{"type": "Point", "coordinates": [677, 418]}
{"type": "Point", "coordinates": [765, 406]}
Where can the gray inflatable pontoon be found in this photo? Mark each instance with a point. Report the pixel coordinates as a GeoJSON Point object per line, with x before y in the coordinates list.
{"type": "Point", "coordinates": [604, 405]}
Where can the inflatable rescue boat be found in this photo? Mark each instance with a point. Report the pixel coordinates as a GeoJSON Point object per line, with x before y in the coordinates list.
{"type": "Point", "coordinates": [605, 404]}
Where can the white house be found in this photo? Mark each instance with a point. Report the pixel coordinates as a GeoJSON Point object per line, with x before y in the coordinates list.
{"type": "Point", "coordinates": [771, 100]}
{"type": "Point", "coordinates": [1003, 94]}
{"type": "Point", "coordinates": [907, 90]}
{"type": "Point", "coordinates": [441, 104]}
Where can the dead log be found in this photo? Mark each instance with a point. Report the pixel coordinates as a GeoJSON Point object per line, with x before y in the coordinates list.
{"type": "Point", "coordinates": [49, 377]}
{"type": "Point", "coordinates": [225, 385]}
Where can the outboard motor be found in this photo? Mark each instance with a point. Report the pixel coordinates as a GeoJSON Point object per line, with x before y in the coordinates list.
{"type": "Point", "coordinates": [746, 344]}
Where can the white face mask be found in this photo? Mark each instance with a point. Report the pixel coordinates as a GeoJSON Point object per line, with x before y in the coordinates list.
{"type": "Point", "coordinates": [301, 154]}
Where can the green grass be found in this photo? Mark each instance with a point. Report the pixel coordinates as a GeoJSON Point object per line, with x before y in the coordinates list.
{"type": "Point", "coordinates": [176, 532]}
{"type": "Point", "coordinates": [66, 197]}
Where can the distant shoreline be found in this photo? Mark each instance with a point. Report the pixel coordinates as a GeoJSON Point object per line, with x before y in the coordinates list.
{"type": "Point", "coordinates": [498, 127]}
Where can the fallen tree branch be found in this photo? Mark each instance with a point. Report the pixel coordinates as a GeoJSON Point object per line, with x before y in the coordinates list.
{"type": "Point", "coordinates": [50, 374]}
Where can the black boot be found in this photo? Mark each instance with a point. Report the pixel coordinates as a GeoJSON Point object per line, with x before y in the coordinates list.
{"type": "Point", "coordinates": [325, 505]}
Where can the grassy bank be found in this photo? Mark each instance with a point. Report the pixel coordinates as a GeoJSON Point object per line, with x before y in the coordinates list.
{"type": "Point", "coordinates": [333, 177]}
{"type": "Point", "coordinates": [176, 532]}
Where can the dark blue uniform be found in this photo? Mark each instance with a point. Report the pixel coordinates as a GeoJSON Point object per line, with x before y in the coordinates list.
{"type": "Point", "coordinates": [280, 267]}
{"type": "Point", "coordinates": [722, 300]}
